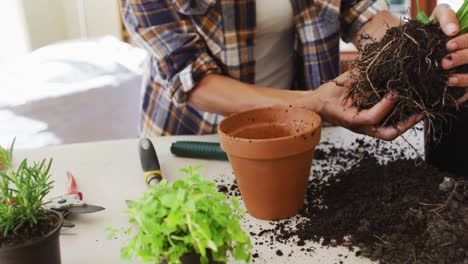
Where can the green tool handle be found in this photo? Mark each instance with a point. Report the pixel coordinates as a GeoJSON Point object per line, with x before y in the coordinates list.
{"type": "Point", "coordinates": [199, 150]}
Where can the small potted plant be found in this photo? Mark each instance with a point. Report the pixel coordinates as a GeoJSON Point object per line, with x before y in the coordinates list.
{"type": "Point", "coordinates": [185, 221]}
{"type": "Point", "coordinates": [28, 232]}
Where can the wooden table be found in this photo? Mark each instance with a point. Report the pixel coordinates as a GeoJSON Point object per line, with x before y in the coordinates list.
{"type": "Point", "coordinates": [108, 173]}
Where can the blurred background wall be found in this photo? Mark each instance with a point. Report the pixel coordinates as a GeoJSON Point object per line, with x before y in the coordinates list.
{"type": "Point", "coordinates": [67, 73]}
{"type": "Point", "coordinates": [41, 22]}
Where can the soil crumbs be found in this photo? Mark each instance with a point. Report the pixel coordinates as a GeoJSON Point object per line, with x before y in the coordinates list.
{"type": "Point", "coordinates": [399, 211]}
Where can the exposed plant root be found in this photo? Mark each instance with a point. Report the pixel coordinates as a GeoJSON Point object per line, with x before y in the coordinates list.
{"type": "Point", "coordinates": [406, 62]}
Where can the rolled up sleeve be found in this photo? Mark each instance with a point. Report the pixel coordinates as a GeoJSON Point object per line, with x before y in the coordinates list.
{"type": "Point", "coordinates": [180, 55]}
{"type": "Point", "coordinates": [355, 13]}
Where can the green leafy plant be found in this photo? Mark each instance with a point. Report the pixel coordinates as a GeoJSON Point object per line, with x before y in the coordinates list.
{"type": "Point", "coordinates": [181, 217]}
{"type": "Point", "coordinates": [462, 17]}
{"type": "Point", "coordinates": [22, 193]}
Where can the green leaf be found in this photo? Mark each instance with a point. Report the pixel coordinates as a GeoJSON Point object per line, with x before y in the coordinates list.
{"type": "Point", "coordinates": [462, 17]}
{"type": "Point", "coordinates": [463, 10]}
{"type": "Point", "coordinates": [241, 254]}
{"type": "Point", "coordinates": [235, 203]}
{"type": "Point", "coordinates": [422, 17]}
{"type": "Point", "coordinates": [111, 233]}
{"type": "Point", "coordinates": [174, 218]}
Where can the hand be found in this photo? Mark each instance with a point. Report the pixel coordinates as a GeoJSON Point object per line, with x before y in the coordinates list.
{"type": "Point", "coordinates": [457, 47]}
{"type": "Point", "coordinates": [337, 108]}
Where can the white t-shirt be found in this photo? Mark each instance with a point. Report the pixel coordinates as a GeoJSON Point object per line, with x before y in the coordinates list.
{"type": "Point", "coordinates": [274, 47]}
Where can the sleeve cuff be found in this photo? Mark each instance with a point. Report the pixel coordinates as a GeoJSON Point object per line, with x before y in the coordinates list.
{"type": "Point", "coordinates": [354, 18]}
{"type": "Point", "coordinates": [189, 77]}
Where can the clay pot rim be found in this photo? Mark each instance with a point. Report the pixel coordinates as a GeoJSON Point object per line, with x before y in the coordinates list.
{"type": "Point", "coordinates": [42, 239]}
{"type": "Point", "coordinates": [316, 126]}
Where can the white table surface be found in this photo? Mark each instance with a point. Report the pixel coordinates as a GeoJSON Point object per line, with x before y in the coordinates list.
{"type": "Point", "coordinates": [108, 173]}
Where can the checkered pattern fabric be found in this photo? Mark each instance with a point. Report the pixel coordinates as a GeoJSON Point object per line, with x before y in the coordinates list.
{"type": "Point", "coordinates": [189, 39]}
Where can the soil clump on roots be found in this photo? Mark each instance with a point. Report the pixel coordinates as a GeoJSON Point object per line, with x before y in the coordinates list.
{"type": "Point", "coordinates": [406, 62]}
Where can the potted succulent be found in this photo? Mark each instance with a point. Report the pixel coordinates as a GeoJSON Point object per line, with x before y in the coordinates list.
{"type": "Point", "coordinates": [184, 221]}
{"type": "Point", "coordinates": [28, 232]}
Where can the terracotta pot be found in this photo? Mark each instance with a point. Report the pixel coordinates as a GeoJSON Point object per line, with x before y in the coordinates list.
{"type": "Point", "coordinates": [271, 151]}
{"type": "Point", "coordinates": [43, 251]}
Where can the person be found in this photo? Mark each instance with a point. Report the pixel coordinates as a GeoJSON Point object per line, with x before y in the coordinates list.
{"type": "Point", "coordinates": [213, 58]}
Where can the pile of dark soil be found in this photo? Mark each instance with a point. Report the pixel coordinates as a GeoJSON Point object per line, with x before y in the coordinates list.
{"type": "Point", "coordinates": [406, 62]}
{"type": "Point", "coordinates": [394, 212]}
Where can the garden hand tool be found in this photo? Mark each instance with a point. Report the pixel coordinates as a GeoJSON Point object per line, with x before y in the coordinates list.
{"type": "Point", "coordinates": [200, 150]}
{"type": "Point", "coordinates": [149, 162]}
{"type": "Point", "coordinates": [71, 202]}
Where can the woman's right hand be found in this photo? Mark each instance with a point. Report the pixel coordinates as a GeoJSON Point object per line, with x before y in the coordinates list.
{"type": "Point", "coordinates": [336, 107]}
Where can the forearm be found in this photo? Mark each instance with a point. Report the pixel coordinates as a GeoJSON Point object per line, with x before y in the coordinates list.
{"type": "Point", "coordinates": [377, 26]}
{"type": "Point", "coordinates": [223, 95]}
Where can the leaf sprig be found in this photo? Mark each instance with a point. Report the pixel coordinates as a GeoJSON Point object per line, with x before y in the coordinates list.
{"type": "Point", "coordinates": [422, 16]}
{"type": "Point", "coordinates": [22, 194]}
{"type": "Point", "coordinates": [184, 216]}
{"type": "Point", "coordinates": [462, 17]}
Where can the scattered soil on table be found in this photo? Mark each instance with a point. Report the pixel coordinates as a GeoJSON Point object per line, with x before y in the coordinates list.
{"type": "Point", "coordinates": [229, 188]}
{"type": "Point", "coordinates": [406, 62]}
{"type": "Point", "coordinates": [320, 154]}
{"type": "Point", "coordinates": [393, 212]}
{"type": "Point", "coordinates": [46, 224]}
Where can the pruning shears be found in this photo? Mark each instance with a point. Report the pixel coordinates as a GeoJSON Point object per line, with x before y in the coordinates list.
{"type": "Point", "coordinates": [71, 202]}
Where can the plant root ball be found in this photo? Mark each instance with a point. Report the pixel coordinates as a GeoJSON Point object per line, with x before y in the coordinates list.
{"type": "Point", "coordinates": [406, 62]}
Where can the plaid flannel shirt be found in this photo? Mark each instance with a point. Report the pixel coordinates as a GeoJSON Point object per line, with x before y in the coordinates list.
{"type": "Point", "coordinates": [189, 39]}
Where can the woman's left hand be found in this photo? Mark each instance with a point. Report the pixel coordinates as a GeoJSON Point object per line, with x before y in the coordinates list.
{"type": "Point", "coordinates": [457, 47]}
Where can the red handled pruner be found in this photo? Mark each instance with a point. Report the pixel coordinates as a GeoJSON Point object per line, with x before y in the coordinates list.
{"type": "Point", "coordinates": [71, 202]}
{"type": "Point", "coordinates": [72, 188]}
